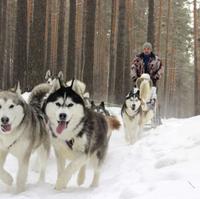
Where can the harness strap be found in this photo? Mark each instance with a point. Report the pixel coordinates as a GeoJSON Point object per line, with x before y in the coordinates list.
{"type": "Point", "coordinates": [70, 143]}
{"type": "Point", "coordinates": [12, 144]}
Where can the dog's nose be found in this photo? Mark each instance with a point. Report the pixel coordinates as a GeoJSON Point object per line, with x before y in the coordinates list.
{"type": "Point", "coordinates": [133, 106]}
{"type": "Point", "coordinates": [4, 120]}
{"type": "Point", "coordinates": [62, 116]}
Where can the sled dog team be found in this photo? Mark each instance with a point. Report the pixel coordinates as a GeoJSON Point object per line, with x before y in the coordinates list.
{"type": "Point", "coordinates": [57, 113]}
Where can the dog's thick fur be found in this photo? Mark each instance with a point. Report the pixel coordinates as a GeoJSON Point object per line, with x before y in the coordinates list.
{"type": "Point", "coordinates": [135, 112]}
{"type": "Point", "coordinates": [22, 131]}
{"type": "Point", "coordinates": [78, 134]}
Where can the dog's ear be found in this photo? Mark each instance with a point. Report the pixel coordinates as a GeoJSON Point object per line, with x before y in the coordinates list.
{"type": "Point", "coordinates": [61, 76]}
{"type": "Point", "coordinates": [18, 89]}
{"type": "Point", "coordinates": [127, 96]}
{"type": "Point", "coordinates": [92, 104]}
{"type": "Point", "coordinates": [102, 104]}
{"type": "Point", "coordinates": [61, 83]}
{"type": "Point", "coordinates": [48, 74]}
{"type": "Point", "coordinates": [72, 82]}
{"type": "Point", "coordinates": [138, 93]}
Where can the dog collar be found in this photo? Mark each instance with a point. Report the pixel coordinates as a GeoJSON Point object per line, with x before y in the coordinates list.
{"type": "Point", "coordinates": [12, 144]}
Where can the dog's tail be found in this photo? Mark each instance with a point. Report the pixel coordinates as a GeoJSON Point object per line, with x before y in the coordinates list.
{"type": "Point", "coordinates": [145, 90]}
{"type": "Point", "coordinates": [37, 95]}
{"type": "Point", "coordinates": [113, 122]}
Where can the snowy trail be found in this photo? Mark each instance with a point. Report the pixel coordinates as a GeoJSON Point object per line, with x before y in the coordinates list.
{"type": "Point", "coordinates": [164, 163]}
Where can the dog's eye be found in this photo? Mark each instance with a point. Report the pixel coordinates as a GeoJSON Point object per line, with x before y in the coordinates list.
{"type": "Point", "coordinates": [70, 105]}
{"type": "Point", "coordinates": [58, 104]}
{"type": "Point", "coordinates": [11, 106]}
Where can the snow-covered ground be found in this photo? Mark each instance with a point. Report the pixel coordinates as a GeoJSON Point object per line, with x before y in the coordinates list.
{"type": "Point", "coordinates": [163, 164]}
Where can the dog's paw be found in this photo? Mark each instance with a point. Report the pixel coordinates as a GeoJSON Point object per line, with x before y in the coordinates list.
{"type": "Point", "coordinates": [60, 184]}
{"type": "Point", "coordinates": [6, 178]}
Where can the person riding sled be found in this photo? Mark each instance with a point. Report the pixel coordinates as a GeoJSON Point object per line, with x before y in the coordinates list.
{"type": "Point", "coordinates": [147, 62]}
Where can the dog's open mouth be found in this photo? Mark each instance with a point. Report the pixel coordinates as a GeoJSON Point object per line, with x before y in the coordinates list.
{"type": "Point", "coordinates": [6, 127]}
{"type": "Point", "coordinates": [61, 126]}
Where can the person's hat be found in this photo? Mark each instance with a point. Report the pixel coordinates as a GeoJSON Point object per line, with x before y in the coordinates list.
{"type": "Point", "coordinates": [147, 45]}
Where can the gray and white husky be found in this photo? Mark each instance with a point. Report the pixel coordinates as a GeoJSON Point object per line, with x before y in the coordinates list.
{"type": "Point", "coordinates": [49, 77]}
{"type": "Point", "coordinates": [135, 112]}
{"type": "Point", "coordinates": [22, 130]}
{"type": "Point", "coordinates": [100, 108]}
{"type": "Point", "coordinates": [78, 134]}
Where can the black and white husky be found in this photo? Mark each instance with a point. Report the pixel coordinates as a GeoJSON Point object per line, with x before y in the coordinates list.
{"type": "Point", "coordinates": [22, 131]}
{"type": "Point", "coordinates": [135, 112]}
{"type": "Point", "coordinates": [78, 134]}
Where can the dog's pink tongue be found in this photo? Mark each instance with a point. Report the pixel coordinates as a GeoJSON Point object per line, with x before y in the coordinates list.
{"type": "Point", "coordinates": [61, 126]}
{"type": "Point", "coordinates": [6, 127]}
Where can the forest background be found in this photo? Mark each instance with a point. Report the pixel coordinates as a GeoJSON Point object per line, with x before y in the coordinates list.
{"type": "Point", "coordinates": [95, 41]}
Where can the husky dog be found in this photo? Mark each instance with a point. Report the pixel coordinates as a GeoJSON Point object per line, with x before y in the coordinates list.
{"type": "Point", "coordinates": [49, 78]}
{"type": "Point", "coordinates": [100, 108]}
{"type": "Point", "coordinates": [22, 130]}
{"type": "Point", "coordinates": [135, 112]}
{"type": "Point", "coordinates": [78, 134]}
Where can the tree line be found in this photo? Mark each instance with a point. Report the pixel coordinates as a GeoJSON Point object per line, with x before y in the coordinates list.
{"type": "Point", "coordinates": [95, 41]}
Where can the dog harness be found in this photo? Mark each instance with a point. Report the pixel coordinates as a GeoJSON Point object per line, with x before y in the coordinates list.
{"type": "Point", "coordinates": [12, 144]}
